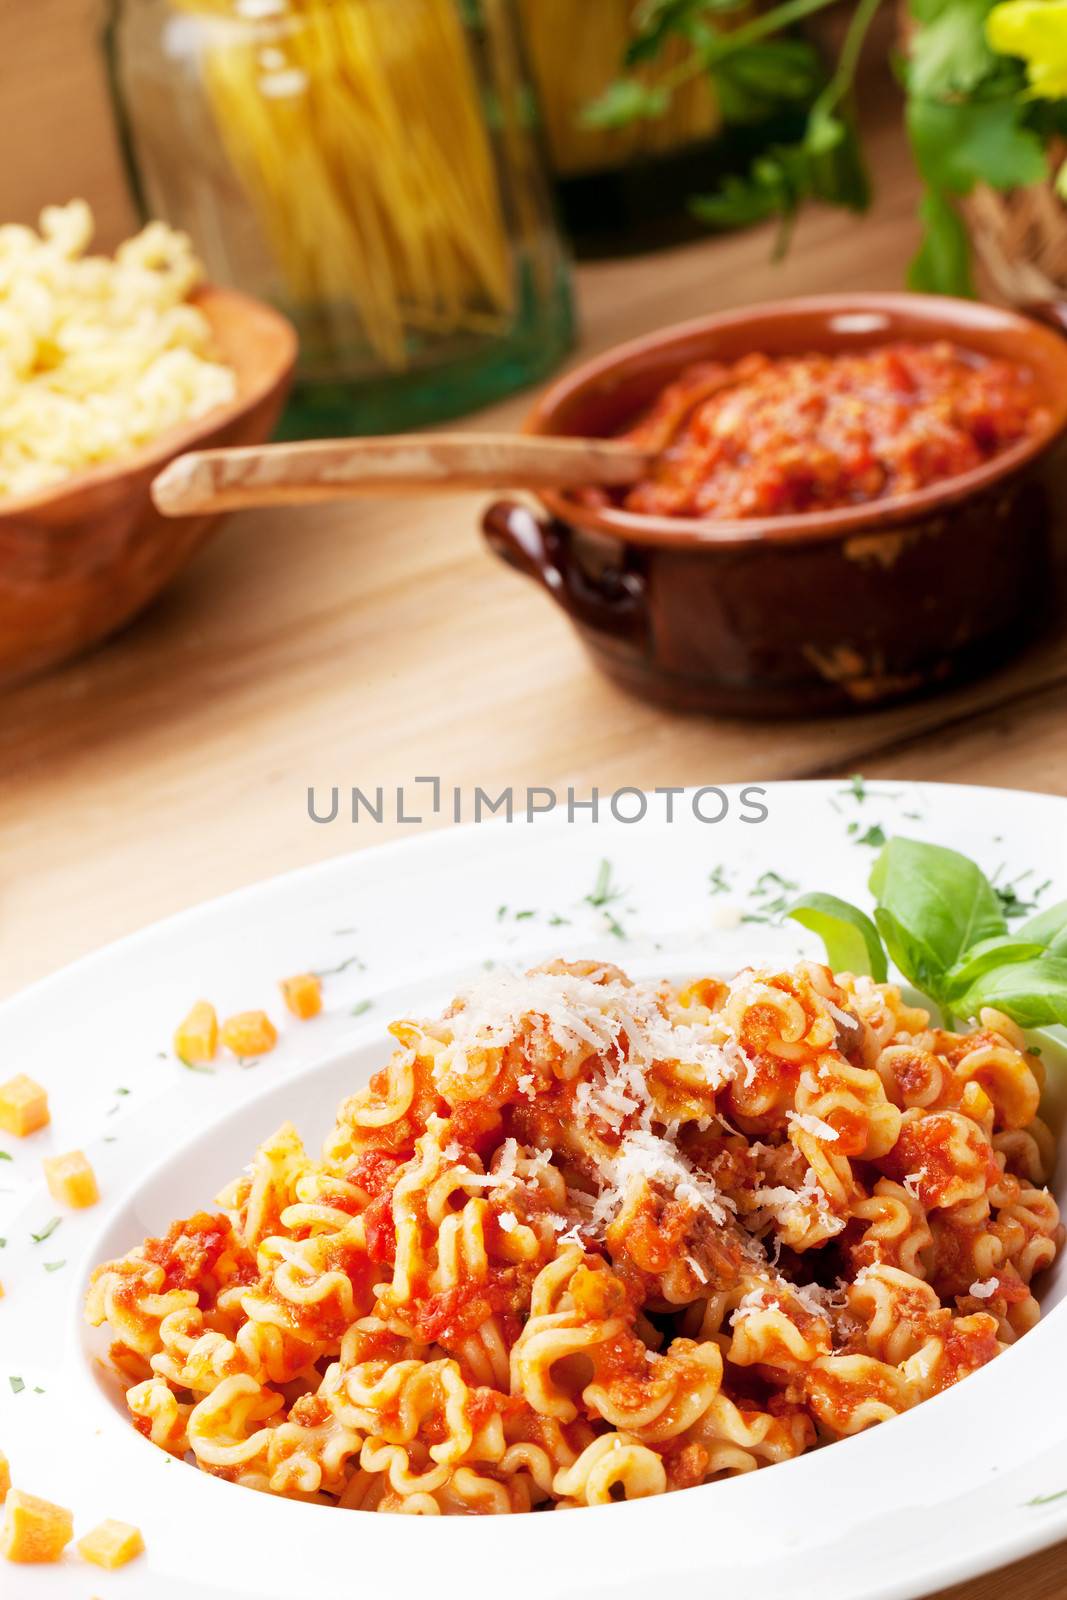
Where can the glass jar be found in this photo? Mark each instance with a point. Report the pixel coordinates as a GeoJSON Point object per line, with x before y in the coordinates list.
{"type": "Point", "coordinates": [626, 189]}
{"type": "Point", "coordinates": [373, 168]}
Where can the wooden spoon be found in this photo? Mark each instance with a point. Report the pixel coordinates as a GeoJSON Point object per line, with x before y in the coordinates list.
{"type": "Point", "coordinates": [334, 469]}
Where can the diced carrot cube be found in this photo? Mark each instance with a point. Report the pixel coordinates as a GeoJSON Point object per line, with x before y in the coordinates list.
{"type": "Point", "coordinates": [303, 995]}
{"type": "Point", "coordinates": [23, 1106]}
{"type": "Point", "coordinates": [71, 1180]}
{"type": "Point", "coordinates": [249, 1033]}
{"type": "Point", "coordinates": [33, 1529]}
{"type": "Point", "coordinates": [197, 1038]}
{"type": "Point", "coordinates": [5, 1475]}
{"type": "Point", "coordinates": [111, 1544]}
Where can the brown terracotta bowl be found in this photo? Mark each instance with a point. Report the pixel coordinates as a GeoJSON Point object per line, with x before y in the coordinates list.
{"type": "Point", "coordinates": [820, 612]}
{"type": "Point", "coordinates": [81, 558]}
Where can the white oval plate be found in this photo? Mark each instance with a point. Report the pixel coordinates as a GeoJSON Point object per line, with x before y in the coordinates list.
{"type": "Point", "coordinates": [969, 1480]}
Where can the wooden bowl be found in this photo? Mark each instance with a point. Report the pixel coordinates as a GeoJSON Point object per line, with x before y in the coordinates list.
{"type": "Point", "coordinates": [815, 613]}
{"type": "Point", "coordinates": [81, 558]}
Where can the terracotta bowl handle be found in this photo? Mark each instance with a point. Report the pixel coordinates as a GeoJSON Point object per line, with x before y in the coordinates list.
{"type": "Point", "coordinates": [615, 603]}
{"type": "Point", "coordinates": [1053, 313]}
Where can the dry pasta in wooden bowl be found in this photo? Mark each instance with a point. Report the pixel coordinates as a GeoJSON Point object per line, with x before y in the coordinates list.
{"type": "Point", "coordinates": [109, 367]}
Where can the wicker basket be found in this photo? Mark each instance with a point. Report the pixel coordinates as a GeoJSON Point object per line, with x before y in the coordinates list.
{"type": "Point", "coordinates": [1020, 238]}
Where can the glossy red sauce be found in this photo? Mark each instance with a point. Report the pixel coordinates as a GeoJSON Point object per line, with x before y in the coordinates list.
{"type": "Point", "coordinates": [768, 437]}
{"type": "Point", "coordinates": [190, 1250]}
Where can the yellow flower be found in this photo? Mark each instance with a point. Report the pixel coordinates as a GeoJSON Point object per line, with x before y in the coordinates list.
{"type": "Point", "coordinates": [1036, 31]}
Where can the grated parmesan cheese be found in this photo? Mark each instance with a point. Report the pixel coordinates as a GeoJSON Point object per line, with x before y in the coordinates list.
{"type": "Point", "coordinates": [844, 1019]}
{"type": "Point", "coordinates": [787, 1206]}
{"type": "Point", "coordinates": [984, 1290]}
{"type": "Point", "coordinates": [581, 1014]}
{"type": "Point", "coordinates": [812, 1125]}
{"type": "Point", "coordinates": [758, 1299]}
{"type": "Point", "coordinates": [646, 1156]}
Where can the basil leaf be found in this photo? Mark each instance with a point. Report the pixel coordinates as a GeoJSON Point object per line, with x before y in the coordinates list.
{"type": "Point", "coordinates": [986, 956]}
{"type": "Point", "coordinates": [933, 905]}
{"type": "Point", "coordinates": [1032, 993]}
{"type": "Point", "coordinates": [851, 938]}
{"type": "Point", "coordinates": [1048, 929]}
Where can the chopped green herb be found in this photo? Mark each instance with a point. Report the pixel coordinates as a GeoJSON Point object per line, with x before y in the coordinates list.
{"type": "Point", "coordinates": [556, 921]}
{"type": "Point", "coordinates": [120, 1090]}
{"type": "Point", "coordinates": [342, 966]}
{"type": "Point", "coordinates": [859, 791]}
{"type": "Point", "coordinates": [717, 881]}
{"type": "Point", "coordinates": [767, 882]}
{"type": "Point", "coordinates": [772, 891]}
{"type": "Point", "coordinates": [3, 1242]}
{"type": "Point", "coordinates": [195, 1066]}
{"type": "Point", "coordinates": [604, 891]}
{"type": "Point", "coordinates": [110, 1138]}
{"type": "Point", "coordinates": [1012, 903]}
{"type": "Point", "coordinates": [360, 1007]}
{"type": "Point", "coordinates": [874, 836]}
{"type": "Point", "coordinates": [37, 1389]}
{"type": "Point", "coordinates": [54, 1266]}
{"type": "Point", "coordinates": [1046, 1499]}
{"type": "Point", "coordinates": [524, 916]}
{"type": "Point", "coordinates": [17, 1385]}
{"type": "Point", "coordinates": [488, 965]}
{"type": "Point", "coordinates": [501, 913]}
{"type": "Point", "coordinates": [1033, 1049]}
{"type": "Point", "coordinates": [47, 1231]}
{"type": "Point", "coordinates": [614, 926]}
{"type": "Point", "coordinates": [5, 1155]}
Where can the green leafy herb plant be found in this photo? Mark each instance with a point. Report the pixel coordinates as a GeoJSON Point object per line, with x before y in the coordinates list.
{"type": "Point", "coordinates": [985, 102]}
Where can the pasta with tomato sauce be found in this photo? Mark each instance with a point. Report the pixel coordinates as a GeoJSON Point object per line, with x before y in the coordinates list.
{"type": "Point", "coordinates": [584, 1239]}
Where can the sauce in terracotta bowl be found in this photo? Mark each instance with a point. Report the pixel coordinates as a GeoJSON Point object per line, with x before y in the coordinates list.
{"type": "Point", "coordinates": [852, 502]}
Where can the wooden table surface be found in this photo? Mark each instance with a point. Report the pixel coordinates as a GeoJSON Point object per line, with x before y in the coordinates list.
{"type": "Point", "coordinates": [370, 644]}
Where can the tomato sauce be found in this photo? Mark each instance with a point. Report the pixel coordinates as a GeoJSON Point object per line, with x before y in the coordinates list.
{"type": "Point", "coordinates": [768, 437]}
